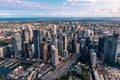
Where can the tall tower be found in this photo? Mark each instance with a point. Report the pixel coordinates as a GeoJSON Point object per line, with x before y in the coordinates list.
{"type": "Point", "coordinates": [60, 47]}
{"type": "Point", "coordinates": [77, 48]}
{"type": "Point", "coordinates": [94, 30]}
{"type": "Point", "coordinates": [45, 52]}
{"type": "Point", "coordinates": [93, 58]}
{"type": "Point", "coordinates": [54, 29]}
{"type": "Point", "coordinates": [30, 33]}
{"type": "Point", "coordinates": [1, 52]}
{"type": "Point", "coordinates": [36, 43]}
{"type": "Point", "coordinates": [18, 42]}
{"type": "Point", "coordinates": [23, 35]}
{"type": "Point", "coordinates": [55, 42]}
{"type": "Point", "coordinates": [54, 53]}
{"type": "Point", "coordinates": [65, 53]}
{"type": "Point", "coordinates": [64, 37]}
{"type": "Point", "coordinates": [26, 48]}
{"type": "Point", "coordinates": [111, 48]}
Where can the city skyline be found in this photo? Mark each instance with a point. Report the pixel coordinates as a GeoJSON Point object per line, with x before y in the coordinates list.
{"type": "Point", "coordinates": [60, 49]}
{"type": "Point", "coordinates": [59, 8]}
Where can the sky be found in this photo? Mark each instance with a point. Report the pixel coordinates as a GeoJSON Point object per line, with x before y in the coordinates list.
{"type": "Point", "coordinates": [59, 8]}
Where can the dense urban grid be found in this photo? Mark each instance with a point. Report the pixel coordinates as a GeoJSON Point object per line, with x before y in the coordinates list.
{"type": "Point", "coordinates": [60, 50]}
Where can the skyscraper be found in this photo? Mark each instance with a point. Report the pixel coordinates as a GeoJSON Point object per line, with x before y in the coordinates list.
{"type": "Point", "coordinates": [26, 52]}
{"type": "Point", "coordinates": [18, 43]}
{"type": "Point", "coordinates": [101, 43]}
{"type": "Point", "coordinates": [25, 36]}
{"type": "Point", "coordinates": [54, 53]}
{"type": "Point", "coordinates": [54, 29]}
{"type": "Point", "coordinates": [65, 53]}
{"type": "Point", "coordinates": [111, 49]}
{"type": "Point", "coordinates": [9, 51]}
{"type": "Point", "coordinates": [93, 58]}
{"type": "Point", "coordinates": [77, 48]}
{"type": "Point", "coordinates": [33, 51]}
{"type": "Point", "coordinates": [55, 42]}
{"type": "Point", "coordinates": [60, 47]}
{"type": "Point", "coordinates": [45, 52]}
{"type": "Point", "coordinates": [64, 37]}
{"type": "Point", "coordinates": [1, 52]}
{"type": "Point", "coordinates": [30, 33]}
{"type": "Point", "coordinates": [36, 43]}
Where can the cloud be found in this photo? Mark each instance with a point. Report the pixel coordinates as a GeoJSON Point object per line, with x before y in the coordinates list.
{"type": "Point", "coordinates": [76, 2]}
{"type": "Point", "coordinates": [91, 1]}
{"type": "Point", "coordinates": [5, 14]}
{"type": "Point", "coordinates": [19, 4]}
{"type": "Point", "coordinates": [107, 10]}
{"type": "Point", "coordinates": [115, 11]}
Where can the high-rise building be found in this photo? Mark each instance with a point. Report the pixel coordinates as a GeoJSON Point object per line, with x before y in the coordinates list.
{"type": "Point", "coordinates": [73, 45]}
{"type": "Point", "coordinates": [30, 33]}
{"type": "Point", "coordinates": [94, 30]}
{"type": "Point", "coordinates": [18, 43]}
{"type": "Point", "coordinates": [101, 43]}
{"type": "Point", "coordinates": [55, 42]}
{"type": "Point", "coordinates": [33, 51]}
{"type": "Point", "coordinates": [65, 53]}
{"type": "Point", "coordinates": [111, 48]}
{"type": "Point", "coordinates": [54, 53]}
{"type": "Point", "coordinates": [1, 52]}
{"type": "Point", "coordinates": [60, 47]}
{"type": "Point", "coordinates": [64, 38]}
{"type": "Point", "coordinates": [93, 58]}
{"type": "Point", "coordinates": [54, 29]}
{"type": "Point", "coordinates": [60, 34]}
{"type": "Point", "coordinates": [25, 36]}
{"type": "Point", "coordinates": [77, 48]}
{"type": "Point", "coordinates": [41, 36]}
{"type": "Point", "coordinates": [9, 51]}
{"type": "Point", "coordinates": [118, 51]}
{"type": "Point", "coordinates": [36, 43]}
{"type": "Point", "coordinates": [25, 43]}
{"type": "Point", "coordinates": [25, 54]}
{"type": "Point", "coordinates": [45, 52]}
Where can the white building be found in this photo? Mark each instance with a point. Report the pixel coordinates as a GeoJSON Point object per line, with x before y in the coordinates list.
{"type": "Point", "coordinates": [27, 37]}
{"type": "Point", "coordinates": [54, 53]}
{"type": "Point", "coordinates": [33, 51]}
{"type": "Point", "coordinates": [1, 52]}
{"type": "Point", "coordinates": [30, 32]}
{"type": "Point", "coordinates": [54, 29]}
